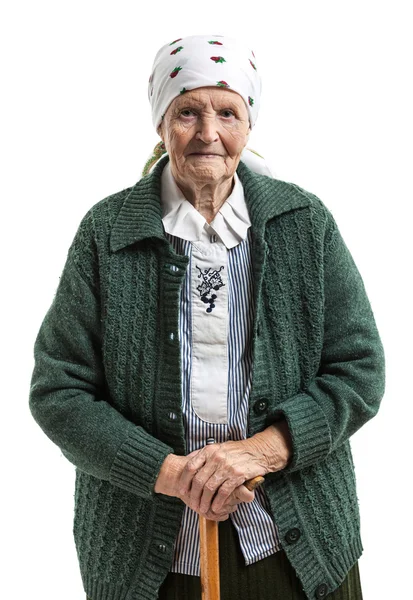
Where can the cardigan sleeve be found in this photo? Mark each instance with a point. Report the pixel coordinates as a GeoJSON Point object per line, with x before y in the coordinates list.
{"type": "Point", "coordinates": [67, 397]}
{"type": "Point", "coordinates": [350, 383]}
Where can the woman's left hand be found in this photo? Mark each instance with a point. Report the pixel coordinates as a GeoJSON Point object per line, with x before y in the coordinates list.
{"type": "Point", "coordinates": [220, 468]}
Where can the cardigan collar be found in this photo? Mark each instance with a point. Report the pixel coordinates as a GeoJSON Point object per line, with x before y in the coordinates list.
{"type": "Point", "coordinates": [182, 219]}
{"type": "Point", "coordinates": [140, 216]}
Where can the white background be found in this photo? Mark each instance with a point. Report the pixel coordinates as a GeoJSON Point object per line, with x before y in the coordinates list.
{"type": "Point", "coordinates": [335, 118]}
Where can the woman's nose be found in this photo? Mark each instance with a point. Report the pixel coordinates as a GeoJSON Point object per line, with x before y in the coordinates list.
{"type": "Point", "coordinates": [207, 131]}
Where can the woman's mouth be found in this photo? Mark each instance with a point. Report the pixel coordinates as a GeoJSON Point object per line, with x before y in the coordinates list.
{"type": "Point", "coordinates": [204, 155]}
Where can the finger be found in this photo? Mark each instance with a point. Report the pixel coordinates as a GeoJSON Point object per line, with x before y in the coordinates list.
{"type": "Point", "coordinates": [207, 459]}
{"type": "Point", "coordinates": [208, 491]}
{"type": "Point", "coordinates": [188, 472]}
{"type": "Point", "coordinates": [214, 517]}
{"type": "Point", "coordinates": [228, 493]}
{"type": "Point", "coordinates": [235, 500]}
{"type": "Point", "coordinates": [201, 478]}
{"type": "Point", "coordinates": [193, 453]}
{"type": "Point", "coordinates": [243, 494]}
{"type": "Point", "coordinates": [222, 516]}
{"type": "Point", "coordinates": [223, 495]}
{"type": "Point", "coordinates": [218, 485]}
{"type": "Point", "coordinates": [205, 484]}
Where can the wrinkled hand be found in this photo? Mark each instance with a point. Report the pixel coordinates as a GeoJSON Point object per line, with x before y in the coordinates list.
{"type": "Point", "coordinates": [240, 494]}
{"type": "Point", "coordinates": [167, 483]}
{"type": "Point", "coordinates": [212, 479]}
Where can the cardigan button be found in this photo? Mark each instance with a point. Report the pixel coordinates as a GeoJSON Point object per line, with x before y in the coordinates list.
{"type": "Point", "coordinates": [321, 590]}
{"type": "Point", "coordinates": [292, 535]}
{"type": "Point", "coordinates": [261, 406]}
{"type": "Point", "coordinates": [172, 416]}
{"type": "Point", "coordinates": [161, 547]}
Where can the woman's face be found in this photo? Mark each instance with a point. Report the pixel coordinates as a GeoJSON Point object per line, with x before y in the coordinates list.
{"type": "Point", "coordinates": [204, 131]}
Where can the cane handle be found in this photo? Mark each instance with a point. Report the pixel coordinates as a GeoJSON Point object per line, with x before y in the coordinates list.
{"type": "Point", "coordinates": [251, 484]}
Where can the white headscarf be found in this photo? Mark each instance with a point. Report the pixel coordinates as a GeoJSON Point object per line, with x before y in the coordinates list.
{"type": "Point", "coordinates": [204, 60]}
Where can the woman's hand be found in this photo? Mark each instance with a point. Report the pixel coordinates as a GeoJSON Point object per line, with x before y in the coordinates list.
{"type": "Point", "coordinates": [169, 477]}
{"type": "Point", "coordinates": [240, 494]}
{"type": "Point", "coordinates": [214, 472]}
{"type": "Point", "coordinates": [220, 469]}
{"type": "Point", "coordinates": [210, 480]}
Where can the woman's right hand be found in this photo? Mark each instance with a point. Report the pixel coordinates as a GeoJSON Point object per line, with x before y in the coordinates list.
{"type": "Point", "coordinates": [167, 483]}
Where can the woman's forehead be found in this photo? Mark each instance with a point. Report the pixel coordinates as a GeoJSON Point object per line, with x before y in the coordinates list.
{"type": "Point", "coordinates": [203, 97]}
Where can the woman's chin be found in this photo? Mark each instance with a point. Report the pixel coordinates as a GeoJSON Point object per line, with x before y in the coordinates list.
{"type": "Point", "coordinates": [204, 172]}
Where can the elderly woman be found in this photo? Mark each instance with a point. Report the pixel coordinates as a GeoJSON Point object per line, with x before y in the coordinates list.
{"type": "Point", "coordinates": [210, 300]}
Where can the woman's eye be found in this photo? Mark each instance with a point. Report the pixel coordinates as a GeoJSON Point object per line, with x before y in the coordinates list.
{"type": "Point", "coordinates": [187, 112]}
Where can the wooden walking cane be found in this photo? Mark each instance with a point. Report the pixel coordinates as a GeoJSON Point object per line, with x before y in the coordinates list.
{"type": "Point", "coordinates": [209, 548]}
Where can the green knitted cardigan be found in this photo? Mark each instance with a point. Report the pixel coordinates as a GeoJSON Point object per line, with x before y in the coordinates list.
{"type": "Point", "coordinates": [107, 376]}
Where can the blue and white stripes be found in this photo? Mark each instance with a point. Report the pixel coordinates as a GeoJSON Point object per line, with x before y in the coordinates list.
{"type": "Point", "coordinates": [258, 534]}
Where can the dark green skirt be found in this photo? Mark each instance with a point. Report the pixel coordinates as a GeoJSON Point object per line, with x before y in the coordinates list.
{"type": "Point", "coordinates": [271, 578]}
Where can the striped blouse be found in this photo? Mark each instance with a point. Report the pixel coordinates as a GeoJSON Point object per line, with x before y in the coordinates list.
{"type": "Point", "coordinates": [216, 313]}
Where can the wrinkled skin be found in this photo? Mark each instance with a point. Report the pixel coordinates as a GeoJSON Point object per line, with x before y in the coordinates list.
{"type": "Point", "coordinates": [207, 119]}
{"type": "Point", "coordinates": [211, 480]}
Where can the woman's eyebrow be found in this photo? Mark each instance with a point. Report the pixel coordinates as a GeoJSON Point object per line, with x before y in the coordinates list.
{"type": "Point", "coordinates": [195, 104]}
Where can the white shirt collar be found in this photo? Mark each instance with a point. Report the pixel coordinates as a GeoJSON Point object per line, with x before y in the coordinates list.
{"type": "Point", "coordinates": [182, 219]}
